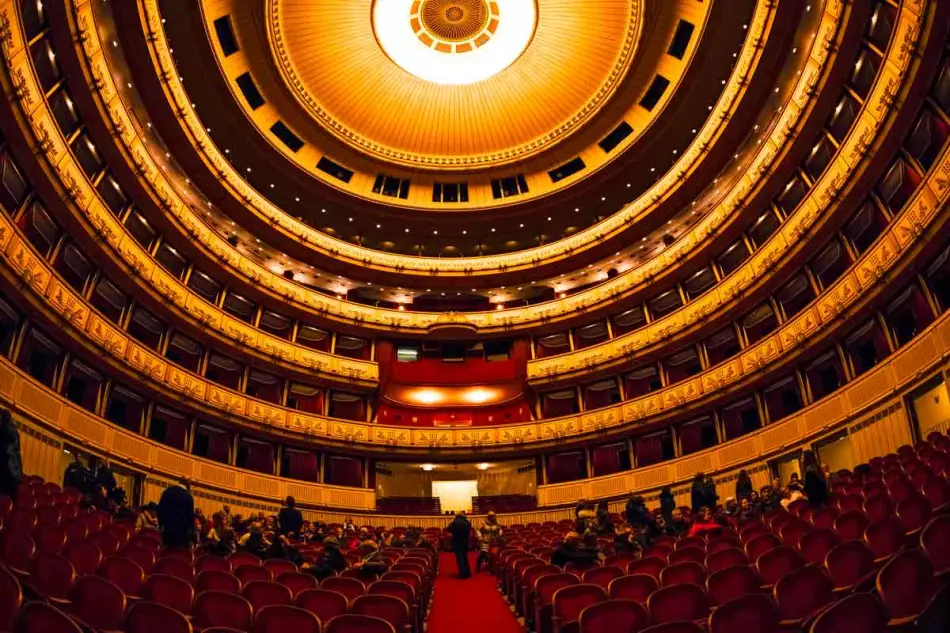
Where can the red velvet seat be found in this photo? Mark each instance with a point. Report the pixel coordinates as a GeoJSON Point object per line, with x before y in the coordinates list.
{"type": "Point", "coordinates": [937, 492]}
{"type": "Point", "coordinates": [731, 583]}
{"type": "Point", "coordinates": [802, 593]}
{"type": "Point", "coordinates": [209, 562]}
{"type": "Point", "coordinates": [850, 503]}
{"type": "Point", "coordinates": [386, 607]}
{"type": "Point", "coordinates": [545, 589]}
{"type": "Point", "coordinates": [170, 591]}
{"type": "Point", "coordinates": [850, 526]}
{"type": "Point", "coordinates": [935, 543]}
{"type": "Point", "coordinates": [11, 597]}
{"type": "Point", "coordinates": [857, 613]}
{"type": "Point", "coordinates": [21, 520]}
{"type": "Point", "coordinates": [264, 593]}
{"type": "Point", "coordinates": [250, 573]}
{"type": "Point", "coordinates": [686, 572]}
{"type": "Point", "coordinates": [752, 613]}
{"type": "Point", "coordinates": [98, 603]}
{"type": "Point", "coordinates": [815, 545]}
{"type": "Point", "coordinates": [776, 563]}
{"type": "Point", "coordinates": [578, 567]}
{"type": "Point", "coordinates": [53, 575]}
{"type": "Point", "coordinates": [181, 553]}
{"type": "Point", "coordinates": [145, 558]}
{"type": "Point", "coordinates": [619, 560]}
{"type": "Point", "coordinates": [175, 567]}
{"type": "Point", "coordinates": [793, 532]}
{"type": "Point", "coordinates": [884, 537]}
{"type": "Point", "coordinates": [213, 580]}
{"type": "Point", "coordinates": [151, 617]}
{"type": "Point", "coordinates": [279, 565]}
{"type": "Point", "coordinates": [848, 563]}
{"type": "Point", "coordinates": [648, 566]}
{"type": "Point", "coordinates": [725, 558]}
{"type": "Point", "coordinates": [684, 554]}
{"type": "Point", "coordinates": [568, 602]}
{"type": "Point", "coordinates": [217, 608]}
{"type": "Point", "coordinates": [49, 538]}
{"type": "Point", "coordinates": [877, 508]}
{"type": "Point", "coordinates": [85, 557]}
{"type": "Point", "coordinates": [602, 576]}
{"type": "Point", "coordinates": [297, 581]}
{"type": "Point", "coordinates": [243, 558]}
{"type": "Point", "coordinates": [613, 615]}
{"type": "Point", "coordinates": [323, 603]}
{"type": "Point", "coordinates": [39, 617]}
{"type": "Point", "coordinates": [349, 587]}
{"type": "Point", "coordinates": [124, 573]}
{"type": "Point", "coordinates": [677, 603]}
{"type": "Point", "coordinates": [913, 512]}
{"type": "Point", "coordinates": [675, 627]}
{"type": "Point", "coordinates": [16, 550]}
{"type": "Point", "coordinates": [107, 544]}
{"type": "Point", "coordinates": [905, 585]}
{"type": "Point", "coordinates": [282, 618]}
{"type": "Point", "coordinates": [355, 623]}
{"type": "Point", "coordinates": [825, 517]}
{"type": "Point", "coordinates": [761, 544]}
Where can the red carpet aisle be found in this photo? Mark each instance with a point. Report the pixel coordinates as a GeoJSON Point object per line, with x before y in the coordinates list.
{"type": "Point", "coordinates": [469, 606]}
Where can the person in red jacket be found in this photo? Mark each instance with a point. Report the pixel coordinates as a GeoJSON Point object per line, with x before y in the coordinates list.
{"type": "Point", "coordinates": [704, 522]}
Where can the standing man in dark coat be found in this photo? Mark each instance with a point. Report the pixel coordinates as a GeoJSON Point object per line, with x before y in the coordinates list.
{"type": "Point", "coordinates": [461, 531]}
{"type": "Point", "coordinates": [11, 464]}
{"type": "Point", "coordinates": [176, 516]}
{"type": "Point", "coordinates": [290, 520]}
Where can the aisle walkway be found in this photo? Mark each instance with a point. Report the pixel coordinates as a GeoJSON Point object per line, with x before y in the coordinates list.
{"type": "Point", "coordinates": [469, 606]}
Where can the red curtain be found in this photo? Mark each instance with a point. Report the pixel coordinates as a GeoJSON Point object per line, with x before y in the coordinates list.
{"type": "Point", "coordinates": [566, 467]}
{"type": "Point", "coordinates": [176, 430]}
{"type": "Point", "coordinates": [260, 457]}
{"type": "Point", "coordinates": [219, 446]}
{"type": "Point", "coordinates": [649, 450]}
{"type": "Point", "coordinates": [517, 411]}
{"type": "Point", "coordinates": [344, 471]}
{"type": "Point", "coordinates": [303, 466]}
{"type": "Point", "coordinates": [691, 438]}
{"type": "Point", "coordinates": [606, 459]}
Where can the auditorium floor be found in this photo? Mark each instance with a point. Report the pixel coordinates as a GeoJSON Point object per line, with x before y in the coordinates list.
{"type": "Point", "coordinates": [469, 606]}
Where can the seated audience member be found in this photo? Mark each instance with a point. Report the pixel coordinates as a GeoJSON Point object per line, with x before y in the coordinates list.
{"type": "Point", "coordinates": [679, 525]}
{"type": "Point", "coordinates": [704, 522]}
{"type": "Point", "coordinates": [372, 564]}
{"type": "Point", "coordinates": [605, 524]}
{"type": "Point", "coordinates": [221, 537]}
{"type": "Point", "coordinates": [747, 511]}
{"type": "Point", "coordinates": [730, 509]}
{"type": "Point", "coordinates": [571, 550]}
{"type": "Point", "coordinates": [147, 518]}
{"type": "Point", "coordinates": [330, 561]}
{"type": "Point", "coordinates": [77, 476]}
{"type": "Point", "coordinates": [771, 498]}
{"type": "Point", "coordinates": [348, 525]}
{"type": "Point", "coordinates": [254, 541]}
{"type": "Point", "coordinates": [795, 484]}
{"type": "Point", "coordinates": [630, 541]}
{"type": "Point", "coordinates": [281, 548]}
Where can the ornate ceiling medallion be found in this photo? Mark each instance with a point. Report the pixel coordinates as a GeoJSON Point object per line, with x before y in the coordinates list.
{"type": "Point", "coordinates": [427, 38]}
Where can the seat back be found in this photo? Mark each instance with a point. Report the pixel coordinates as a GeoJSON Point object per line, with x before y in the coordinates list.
{"type": "Point", "coordinates": [678, 602]}
{"type": "Point", "coordinates": [213, 580]}
{"type": "Point", "coordinates": [277, 566]}
{"type": "Point", "coordinates": [848, 563]}
{"type": "Point", "coordinates": [761, 544]}
{"type": "Point", "coordinates": [206, 562]}
{"type": "Point", "coordinates": [935, 541]}
{"type": "Point", "coordinates": [175, 567]}
{"type": "Point", "coordinates": [568, 602]}
{"type": "Point", "coordinates": [858, 612]}
{"type": "Point", "coordinates": [620, 614]}
{"type": "Point", "coordinates": [98, 602]}
{"type": "Point", "coordinates": [11, 597]}
{"type": "Point", "coordinates": [685, 572]}
{"type": "Point", "coordinates": [279, 618]}
{"type": "Point", "coordinates": [648, 566]}
{"type": "Point", "coordinates": [356, 623]}
{"type": "Point", "coordinates": [884, 537]}
{"type": "Point", "coordinates": [170, 591]}
{"type": "Point", "coordinates": [218, 608]}
{"type": "Point", "coordinates": [250, 573]}
{"type": "Point", "coordinates": [729, 557]}
{"type": "Point", "coordinates": [152, 617]}
{"type": "Point", "coordinates": [297, 581]}
{"type": "Point", "coordinates": [145, 558]}
{"type": "Point", "coordinates": [802, 592]}
{"type": "Point", "coordinates": [636, 587]}
{"type": "Point", "coordinates": [547, 586]}
{"type": "Point", "coordinates": [825, 517]}
{"type": "Point", "coordinates": [16, 550]}
{"type": "Point", "coordinates": [850, 526]}
{"type": "Point", "coordinates": [879, 507]}
{"type": "Point", "coordinates": [752, 613]}
{"type": "Point", "coordinates": [243, 558]}
{"type": "Point", "coordinates": [602, 576]}
{"type": "Point", "coordinates": [127, 575]}
{"type": "Point", "coordinates": [913, 512]}
{"type": "Point", "coordinates": [263, 593]}
{"type": "Point", "coordinates": [389, 608]}
{"type": "Point", "coordinates": [39, 617]}
{"type": "Point", "coordinates": [692, 553]}
{"type": "Point", "coordinates": [349, 587]}
{"type": "Point", "coordinates": [815, 545]}
{"type": "Point", "coordinates": [906, 584]}
{"type": "Point", "coordinates": [323, 603]}
{"type": "Point", "coordinates": [53, 575]}
{"type": "Point", "coordinates": [731, 583]}
{"type": "Point", "coordinates": [776, 563]}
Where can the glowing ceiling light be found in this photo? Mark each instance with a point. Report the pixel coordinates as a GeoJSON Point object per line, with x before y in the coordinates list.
{"type": "Point", "coordinates": [483, 466]}
{"type": "Point", "coordinates": [478, 396]}
{"type": "Point", "coordinates": [428, 467]}
{"type": "Point", "coordinates": [454, 42]}
{"type": "Point", "coordinates": [427, 396]}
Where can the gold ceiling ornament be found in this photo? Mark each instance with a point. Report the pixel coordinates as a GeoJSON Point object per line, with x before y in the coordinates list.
{"type": "Point", "coordinates": [454, 26]}
{"type": "Point", "coordinates": [533, 72]}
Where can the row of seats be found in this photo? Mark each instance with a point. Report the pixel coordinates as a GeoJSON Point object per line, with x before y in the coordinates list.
{"type": "Point", "coordinates": [883, 539]}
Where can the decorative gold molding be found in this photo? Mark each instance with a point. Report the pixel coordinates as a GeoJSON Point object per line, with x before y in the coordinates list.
{"type": "Point", "coordinates": [485, 322]}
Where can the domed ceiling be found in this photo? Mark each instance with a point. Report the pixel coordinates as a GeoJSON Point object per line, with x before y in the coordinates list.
{"type": "Point", "coordinates": [453, 84]}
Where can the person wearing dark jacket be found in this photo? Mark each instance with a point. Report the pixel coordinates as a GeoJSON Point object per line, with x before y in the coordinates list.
{"type": "Point", "coordinates": [461, 531]}
{"type": "Point", "coordinates": [710, 494]}
{"type": "Point", "coordinates": [78, 477]}
{"type": "Point", "coordinates": [667, 503]}
{"type": "Point", "coordinates": [816, 486]}
{"type": "Point", "coordinates": [11, 464]}
{"type": "Point", "coordinates": [105, 477]}
{"type": "Point", "coordinates": [176, 516]}
{"type": "Point", "coordinates": [637, 514]}
{"type": "Point", "coordinates": [289, 519]}
{"type": "Point", "coordinates": [330, 560]}
{"type": "Point", "coordinates": [697, 493]}
{"type": "Point", "coordinates": [744, 486]}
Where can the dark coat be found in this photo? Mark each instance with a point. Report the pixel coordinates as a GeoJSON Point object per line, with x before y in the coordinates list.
{"type": "Point", "coordinates": [667, 505]}
{"type": "Point", "coordinates": [816, 489]}
{"type": "Point", "coordinates": [697, 496]}
{"type": "Point", "coordinates": [11, 464]}
{"type": "Point", "coordinates": [290, 521]}
{"type": "Point", "coordinates": [743, 489]}
{"type": "Point", "coordinates": [176, 516]}
{"type": "Point", "coordinates": [461, 530]}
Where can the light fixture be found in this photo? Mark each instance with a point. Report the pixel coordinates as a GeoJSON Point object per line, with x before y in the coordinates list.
{"type": "Point", "coordinates": [428, 467]}
{"type": "Point", "coordinates": [454, 43]}
{"type": "Point", "coordinates": [478, 396]}
{"type": "Point", "coordinates": [427, 396]}
{"type": "Point", "coordinates": [483, 466]}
